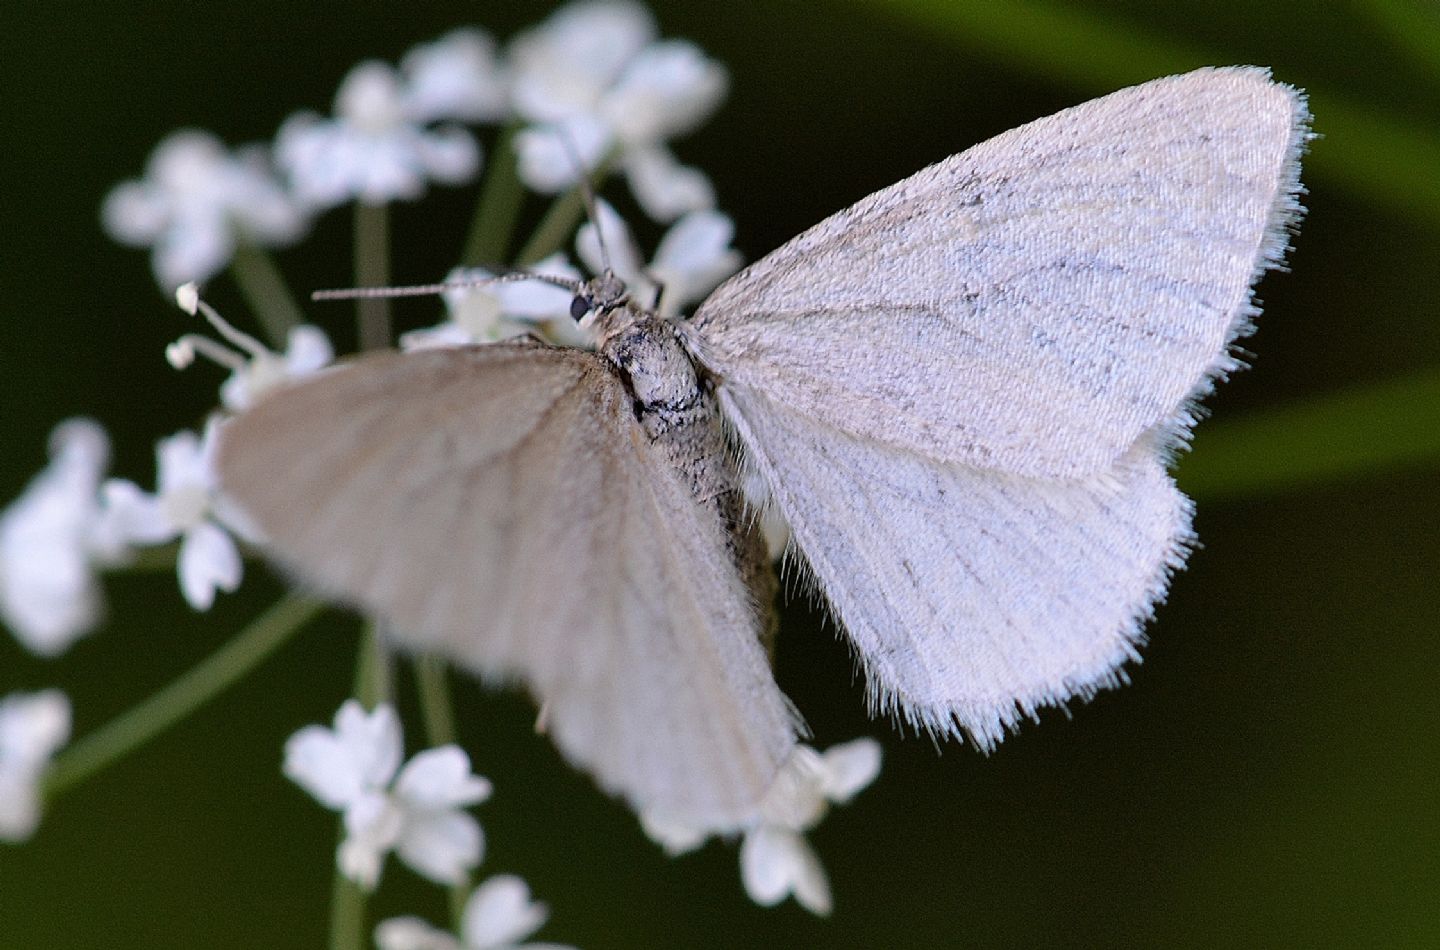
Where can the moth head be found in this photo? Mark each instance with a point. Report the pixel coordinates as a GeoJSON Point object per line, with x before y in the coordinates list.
{"type": "Point", "coordinates": [599, 295]}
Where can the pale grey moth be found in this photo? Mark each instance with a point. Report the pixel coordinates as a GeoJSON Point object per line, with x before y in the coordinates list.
{"type": "Point", "coordinates": [961, 393]}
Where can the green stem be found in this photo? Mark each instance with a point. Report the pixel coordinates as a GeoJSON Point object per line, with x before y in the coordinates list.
{"type": "Point", "coordinates": [435, 706]}
{"type": "Point", "coordinates": [347, 912]}
{"type": "Point", "coordinates": [372, 269]}
{"type": "Point", "coordinates": [373, 679]}
{"type": "Point", "coordinates": [372, 687]}
{"type": "Point", "coordinates": [501, 196]}
{"type": "Point", "coordinates": [439, 715]}
{"type": "Point", "coordinates": [560, 220]}
{"type": "Point", "coordinates": [193, 689]}
{"type": "Point", "coordinates": [266, 292]}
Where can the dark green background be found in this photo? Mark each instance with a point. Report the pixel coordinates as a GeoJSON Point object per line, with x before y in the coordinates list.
{"type": "Point", "coordinates": [1270, 779]}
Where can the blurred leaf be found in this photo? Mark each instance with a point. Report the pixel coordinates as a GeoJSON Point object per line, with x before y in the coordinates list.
{"type": "Point", "coordinates": [1386, 425]}
{"type": "Point", "coordinates": [1413, 27]}
{"type": "Point", "coordinates": [1378, 156]}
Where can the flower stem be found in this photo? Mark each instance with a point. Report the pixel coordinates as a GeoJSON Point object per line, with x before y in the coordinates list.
{"type": "Point", "coordinates": [372, 269]}
{"type": "Point", "coordinates": [189, 692]}
{"type": "Point", "coordinates": [435, 704]}
{"type": "Point", "coordinates": [560, 221]}
{"type": "Point", "coordinates": [372, 687]}
{"type": "Point", "coordinates": [347, 911]}
{"type": "Point", "coordinates": [439, 715]}
{"type": "Point", "coordinates": [266, 292]}
{"type": "Point", "coordinates": [372, 669]}
{"type": "Point", "coordinates": [500, 199]}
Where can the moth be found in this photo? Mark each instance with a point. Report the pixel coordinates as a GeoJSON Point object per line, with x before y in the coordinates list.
{"type": "Point", "coordinates": [961, 394]}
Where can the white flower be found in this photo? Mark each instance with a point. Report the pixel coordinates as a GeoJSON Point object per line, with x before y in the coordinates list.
{"type": "Point", "coordinates": [32, 727]}
{"type": "Point", "coordinates": [692, 258]}
{"type": "Point", "coordinates": [195, 200]}
{"type": "Point", "coordinates": [775, 859]}
{"type": "Point", "coordinates": [593, 80]}
{"type": "Point", "coordinates": [496, 916]}
{"type": "Point", "coordinates": [416, 813]}
{"type": "Point", "coordinates": [375, 149]}
{"type": "Point", "coordinates": [307, 351]}
{"type": "Point", "coordinates": [185, 505]}
{"type": "Point", "coordinates": [51, 539]}
{"type": "Point", "coordinates": [254, 368]}
{"type": "Point", "coordinates": [486, 313]}
{"type": "Point", "coordinates": [456, 77]}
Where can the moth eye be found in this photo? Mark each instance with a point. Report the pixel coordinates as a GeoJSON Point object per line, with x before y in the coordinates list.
{"type": "Point", "coordinates": [579, 307]}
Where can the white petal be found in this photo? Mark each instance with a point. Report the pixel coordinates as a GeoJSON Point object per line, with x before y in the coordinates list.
{"type": "Point", "coordinates": [664, 188]}
{"type": "Point", "coordinates": [562, 67]}
{"type": "Point", "coordinates": [48, 594]}
{"type": "Point", "coordinates": [195, 253]}
{"type": "Point", "coordinates": [32, 727]}
{"type": "Point", "coordinates": [412, 933]}
{"type": "Point", "coordinates": [449, 154]}
{"type": "Point", "coordinates": [440, 778]}
{"type": "Point", "coordinates": [373, 739]}
{"type": "Point", "coordinates": [624, 255]}
{"type": "Point", "coordinates": [440, 335]}
{"type": "Point", "coordinates": [776, 862]}
{"type": "Point", "coordinates": [370, 97]}
{"type": "Point", "coordinates": [500, 913]}
{"type": "Point", "coordinates": [535, 299]}
{"type": "Point", "coordinates": [307, 350]}
{"type": "Point", "coordinates": [811, 885]}
{"type": "Point", "coordinates": [317, 762]}
{"type": "Point", "coordinates": [373, 825]}
{"type": "Point", "coordinates": [19, 805]}
{"type": "Point", "coordinates": [694, 256]}
{"type": "Point", "coordinates": [552, 157]}
{"type": "Point", "coordinates": [384, 169]}
{"type": "Point", "coordinates": [259, 203]}
{"type": "Point", "coordinates": [338, 765]}
{"type": "Point", "coordinates": [48, 597]}
{"type": "Point", "coordinates": [441, 845]}
{"type": "Point", "coordinates": [668, 89]}
{"type": "Point", "coordinates": [795, 800]}
{"type": "Point", "coordinates": [456, 77]}
{"type": "Point", "coordinates": [134, 515]}
{"type": "Point", "coordinates": [208, 561]}
{"type": "Point", "coordinates": [305, 147]}
{"type": "Point", "coordinates": [767, 860]}
{"type": "Point", "coordinates": [135, 213]}
{"type": "Point", "coordinates": [181, 461]}
{"type": "Point", "coordinates": [849, 768]}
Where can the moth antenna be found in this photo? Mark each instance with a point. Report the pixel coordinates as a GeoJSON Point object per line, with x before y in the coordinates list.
{"type": "Point", "coordinates": [587, 194]}
{"type": "Point", "coordinates": [426, 290]}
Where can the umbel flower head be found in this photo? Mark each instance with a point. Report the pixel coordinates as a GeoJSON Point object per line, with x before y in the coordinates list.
{"type": "Point", "coordinates": [414, 810]}
{"type": "Point", "coordinates": [52, 540]}
{"type": "Point", "coordinates": [596, 82]}
{"type": "Point", "coordinates": [196, 201]}
{"type": "Point", "coordinates": [498, 915]}
{"type": "Point", "coordinates": [592, 91]}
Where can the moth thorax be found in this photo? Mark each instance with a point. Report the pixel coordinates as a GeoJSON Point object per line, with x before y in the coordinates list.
{"type": "Point", "coordinates": [656, 366]}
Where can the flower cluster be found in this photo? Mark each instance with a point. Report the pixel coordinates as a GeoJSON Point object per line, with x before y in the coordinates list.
{"type": "Point", "coordinates": [414, 811]}
{"type": "Point", "coordinates": [590, 92]}
{"type": "Point", "coordinates": [593, 86]}
{"type": "Point", "coordinates": [775, 859]}
{"type": "Point", "coordinates": [32, 727]}
{"type": "Point", "coordinates": [417, 811]}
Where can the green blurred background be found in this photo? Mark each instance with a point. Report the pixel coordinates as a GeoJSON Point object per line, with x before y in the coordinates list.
{"type": "Point", "coordinates": [1269, 779]}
